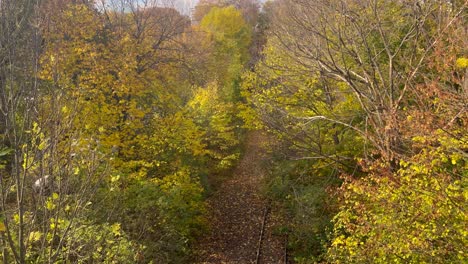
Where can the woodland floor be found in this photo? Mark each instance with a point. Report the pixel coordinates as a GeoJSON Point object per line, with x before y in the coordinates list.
{"type": "Point", "coordinates": [237, 211]}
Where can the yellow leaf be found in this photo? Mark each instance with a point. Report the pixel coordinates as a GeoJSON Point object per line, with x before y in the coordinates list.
{"type": "Point", "coordinates": [462, 63]}
{"type": "Point", "coordinates": [35, 236]}
{"type": "Point", "coordinates": [16, 218]}
{"type": "Point", "coordinates": [115, 228]}
{"type": "Point", "coordinates": [50, 205]}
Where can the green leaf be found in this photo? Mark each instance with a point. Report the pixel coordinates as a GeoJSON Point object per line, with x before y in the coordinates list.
{"type": "Point", "coordinates": [5, 151]}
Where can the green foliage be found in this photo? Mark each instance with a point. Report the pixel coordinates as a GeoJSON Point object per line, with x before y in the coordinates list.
{"type": "Point", "coordinates": [3, 153]}
{"type": "Point", "coordinates": [125, 124]}
{"type": "Point", "coordinates": [229, 31]}
{"type": "Point", "coordinates": [232, 38]}
{"type": "Point", "coordinates": [215, 116]}
{"type": "Point", "coordinates": [310, 153]}
{"type": "Point", "coordinates": [65, 237]}
{"type": "Point", "coordinates": [307, 206]}
{"type": "Point", "coordinates": [352, 88]}
{"type": "Point", "coordinates": [112, 123]}
{"type": "Point", "coordinates": [87, 243]}
{"type": "Point", "coordinates": [163, 214]}
{"type": "Point", "coordinates": [417, 215]}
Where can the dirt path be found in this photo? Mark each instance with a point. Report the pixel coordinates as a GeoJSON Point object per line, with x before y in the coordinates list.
{"type": "Point", "coordinates": [237, 212]}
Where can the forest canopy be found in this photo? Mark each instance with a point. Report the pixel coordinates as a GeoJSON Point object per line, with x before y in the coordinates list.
{"type": "Point", "coordinates": [118, 118]}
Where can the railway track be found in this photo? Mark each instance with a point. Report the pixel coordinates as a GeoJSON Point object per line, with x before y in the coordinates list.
{"type": "Point", "coordinates": [242, 222]}
{"type": "Point", "coordinates": [261, 245]}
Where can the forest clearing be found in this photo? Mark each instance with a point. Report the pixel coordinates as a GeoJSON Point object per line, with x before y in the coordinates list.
{"type": "Point", "coordinates": [233, 131]}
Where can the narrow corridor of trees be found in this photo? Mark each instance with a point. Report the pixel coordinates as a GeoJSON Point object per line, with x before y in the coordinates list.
{"type": "Point", "coordinates": [132, 133]}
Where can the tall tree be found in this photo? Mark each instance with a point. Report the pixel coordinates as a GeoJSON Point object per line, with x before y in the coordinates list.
{"type": "Point", "coordinates": [337, 84]}
{"type": "Point", "coordinates": [364, 45]}
{"type": "Point", "coordinates": [19, 52]}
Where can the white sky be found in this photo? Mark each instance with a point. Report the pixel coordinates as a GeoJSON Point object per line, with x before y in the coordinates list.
{"type": "Point", "coordinates": [183, 6]}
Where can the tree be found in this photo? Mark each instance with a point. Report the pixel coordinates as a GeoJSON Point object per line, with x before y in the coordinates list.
{"type": "Point", "coordinates": [350, 86]}
{"type": "Point", "coordinates": [417, 214]}
{"type": "Point", "coordinates": [232, 37]}
{"type": "Point", "coordinates": [52, 169]}
{"type": "Point", "coordinates": [375, 47]}
{"type": "Point", "coordinates": [19, 51]}
{"type": "Point", "coordinates": [310, 154]}
{"type": "Point", "coordinates": [248, 8]}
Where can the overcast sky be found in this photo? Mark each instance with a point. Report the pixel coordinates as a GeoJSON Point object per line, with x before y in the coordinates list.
{"type": "Point", "coordinates": [185, 6]}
